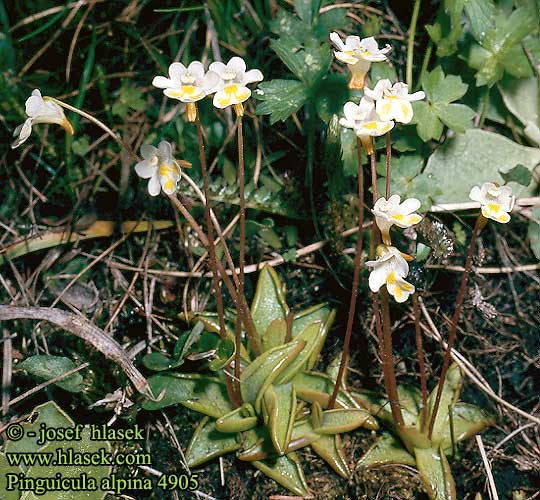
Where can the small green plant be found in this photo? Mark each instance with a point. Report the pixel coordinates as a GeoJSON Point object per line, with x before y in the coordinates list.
{"type": "Point", "coordinates": [284, 400]}
{"type": "Point", "coordinates": [410, 444]}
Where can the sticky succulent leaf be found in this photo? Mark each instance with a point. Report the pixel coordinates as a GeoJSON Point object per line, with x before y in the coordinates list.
{"type": "Point", "coordinates": [275, 334]}
{"type": "Point", "coordinates": [224, 354]}
{"type": "Point", "coordinates": [314, 386]}
{"type": "Point", "coordinates": [49, 414]}
{"type": "Point", "coordinates": [208, 443]}
{"type": "Point", "coordinates": [467, 421]}
{"type": "Point", "coordinates": [311, 336]}
{"type": "Point", "coordinates": [8, 469]}
{"type": "Point", "coordinates": [239, 420]}
{"type": "Point", "coordinates": [345, 420]}
{"type": "Point", "coordinates": [45, 366]}
{"type": "Point", "coordinates": [158, 362]}
{"type": "Point", "coordinates": [83, 447]}
{"type": "Point", "coordinates": [435, 474]}
{"type": "Point", "coordinates": [321, 312]}
{"type": "Point", "coordinates": [256, 445]}
{"type": "Point", "coordinates": [279, 408]}
{"type": "Point", "coordinates": [451, 390]}
{"type": "Point", "coordinates": [269, 301]}
{"type": "Point", "coordinates": [262, 372]}
{"type": "Point", "coordinates": [287, 471]}
{"type": "Point", "coordinates": [200, 393]}
{"type": "Point", "coordinates": [302, 435]}
{"type": "Point", "coordinates": [412, 437]}
{"type": "Point", "coordinates": [210, 398]}
{"type": "Point", "coordinates": [386, 450]}
{"type": "Point", "coordinates": [330, 449]}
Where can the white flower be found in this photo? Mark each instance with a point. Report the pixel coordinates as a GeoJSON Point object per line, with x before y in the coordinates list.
{"type": "Point", "coordinates": [358, 55]}
{"type": "Point", "coordinates": [231, 89]}
{"type": "Point", "coordinates": [390, 269]}
{"type": "Point", "coordinates": [160, 167]}
{"type": "Point", "coordinates": [189, 84]}
{"type": "Point", "coordinates": [496, 201]}
{"type": "Point", "coordinates": [40, 110]}
{"type": "Point", "coordinates": [365, 121]}
{"type": "Point", "coordinates": [393, 101]}
{"type": "Point", "coordinates": [391, 211]}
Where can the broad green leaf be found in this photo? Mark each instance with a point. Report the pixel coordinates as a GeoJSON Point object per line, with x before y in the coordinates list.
{"type": "Point", "coordinates": [239, 420]}
{"type": "Point", "coordinates": [317, 387]}
{"type": "Point", "coordinates": [467, 420]}
{"type": "Point", "coordinates": [481, 14]}
{"type": "Point", "coordinates": [441, 89]}
{"type": "Point", "coordinates": [450, 395]}
{"type": "Point", "coordinates": [269, 302]}
{"type": "Point", "coordinates": [386, 450]}
{"type": "Point", "coordinates": [200, 393]}
{"type": "Point", "coordinates": [307, 10]}
{"type": "Point", "coordinates": [312, 336]}
{"type": "Point", "coordinates": [280, 98]}
{"type": "Point", "coordinates": [519, 174]}
{"type": "Point", "coordinates": [275, 334]}
{"type": "Point", "coordinates": [208, 443]}
{"type": "Point", "coordinates": [533, 232]}
{"type": "Point", "coordinates": [330, 449]}
{"type": "Point", "coordinates": [7, 469]}
{"type": "Point", "coordinates": [224, 354]}
{"type": "Point", "coordinates": [279, 409]}
{"type": "Point", "coordinates": [447, 30]}
{"type": "Point", "coordinates": [522, 98]}
{"type": "Point", "coordinates": [329, 21]}
{"type": "Point", "coordinates": [321, 312]}
{"type": "Point", "coordinates": [330, 95]}
{"type": "Point", "coordinates": [256, 445]}
{"type": "Point", "coordinates": [406, 179]}
{"type": "Point", "coordinates": [286, 23]}
{"type": "Point", "coordinates": [345, 420]}
{"type": "Point", "coordinates": [287, 471]}
{"type": "Point", "coordinates": [46, 367]}
{"type": "Point", "coordinates": [85, 447]}
{"type": "Point", "coordinates": [158, 362]}
{"type": "Point", "coordinates": [458, 117]}
{"type": "Point", "coordinates": [475, 157]}
{"type": "Point", "coordinates": [302, 435]}
{"type": "Point", "coordinates": [428, 124]}
{"type": "Point", "coordinates": [435, 474]}
{"type": "Point", "coordinates": [49, 414]}
{"type": "Point", "coordinates": [262, 372]}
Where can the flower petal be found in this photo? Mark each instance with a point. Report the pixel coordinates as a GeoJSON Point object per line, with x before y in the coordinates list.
{"type": "Point", "coordinates": [196, 68]}
{"type": "Point", "coordinates": [345, 58]}
{"type": "Point", "coordinates": [237, 64]}
{"type": "Point", "coordinates": [218, 67]}
{"type": "Point", "coordinates": [336, 40]}
{"type": "Point", "coordinates": [34, 103]}
{"type": "Point", "coordinates": [148, 151]}
{"type": "Point", "coordinates": [23, 132]}
{"type": "Point", "coordinates": [251, 76]}
{"type": "Point", "coordinates": [409, 206]}
{"type": "Point", "coordinates": [154, 186]}
{"type": "Point", "coordinates": [176, 70]}
{"type": "Point", "coordinates": [377, 277]}
{"type": "Point", "coordinates": [165, 150]}
{"type": "Point", "coordinates": [210, 82]}
{"type": "Point", "coordinates": [145, 169]}
{"type": "Point", "coordinates": [475, 194]}
{"type": "Point", "coordinates": [162, 82]}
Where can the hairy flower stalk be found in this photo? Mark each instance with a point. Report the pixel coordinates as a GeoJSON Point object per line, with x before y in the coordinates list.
{"type": "Point", "coordinates": [356, 279]}
{"type": "Point", "coordinates": [496, 203]}
{"type": "Point", "coordinates": [233, 387]}
{"type": "Point", "coordinates": [421, 361]}
{"type": "Point", "coordinates": [384, 337]}
{"type": "Point", "coordinates": [481, 221]}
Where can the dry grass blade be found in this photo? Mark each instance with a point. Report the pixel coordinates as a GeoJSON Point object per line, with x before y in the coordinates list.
{"type": "Point", "coordinates": [85, 330]}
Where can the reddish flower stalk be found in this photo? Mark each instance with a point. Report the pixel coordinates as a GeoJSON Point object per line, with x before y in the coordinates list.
{"type": "Point", "coordinates": [356, 280]}
{"type": "Point", "coordinates": [479, 225]}
{"type": "Point", "coordinates": [421, 360]}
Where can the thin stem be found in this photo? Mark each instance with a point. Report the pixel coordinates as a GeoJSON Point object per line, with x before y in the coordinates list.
{"type": "Point", "coordinates": [388, 361]}
{"type": "Point", "coordinates": [480, 223]}
{"type": "Point", "coordinates": [255, 342]}
{"type": "Point", "coordinates": [99, 123]}
{"type": "Point", "coordinates": [410, 42]}
{"type": "Point", "coordinates": [388, 163]}
{"type": "Point", "coordinates": [385, 337]}
{"type": "Point", "coordinates": [421, 362]}
{"type": "Point", "coordinates": [356, 280]}
{"type": "Point", "coordinates": [242, 224]}
{"type": "Point", "coordinates": [233, 388]}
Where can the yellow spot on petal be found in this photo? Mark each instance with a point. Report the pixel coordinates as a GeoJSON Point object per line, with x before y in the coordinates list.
{"type": "Point", "coordinates": [391, 278]}
{"type": "Point", "coordinates": [493, 207]}
{"type": "Point", "coordinates": [398, 217]}
{"type": "Point", "coordinates": [370, 126]}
